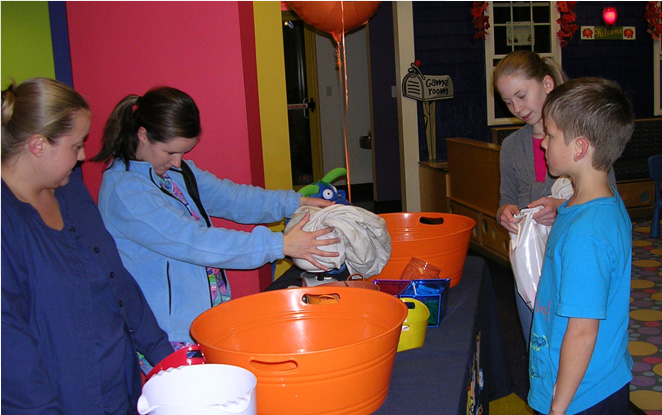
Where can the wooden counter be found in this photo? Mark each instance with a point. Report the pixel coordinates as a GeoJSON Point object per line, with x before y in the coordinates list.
{"type": "Point", "coordinates": [433, 182]}
{"type": "Point", "coordinates": [473, 190]}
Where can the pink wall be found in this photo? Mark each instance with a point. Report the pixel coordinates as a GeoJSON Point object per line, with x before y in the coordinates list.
{"type": "Point", "coordinates": [203, 48]}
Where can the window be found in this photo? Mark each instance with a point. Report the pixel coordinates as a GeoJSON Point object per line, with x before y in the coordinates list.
{"type": "Point", "coordinates": [657, 61]}
{"type": "Point", "coordinates": [516, 26]}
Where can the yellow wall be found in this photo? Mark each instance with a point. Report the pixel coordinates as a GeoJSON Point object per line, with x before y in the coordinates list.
{"type": "Point", "coordinates": [26, 41]}
{"type": "Point", "coordinates": [273, 101]}
{"type": "Point", "coordinates": [273, 94]}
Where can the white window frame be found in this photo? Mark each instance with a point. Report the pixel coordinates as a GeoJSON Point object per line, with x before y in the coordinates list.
{"type": "Point", "coordinates": [490, 56]}
{"type": "Point", "coordinates": [657, 61]}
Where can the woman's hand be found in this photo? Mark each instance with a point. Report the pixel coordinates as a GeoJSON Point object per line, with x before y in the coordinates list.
{"type": "Point", "coordinates": [506, 216]}
{"type": "Point", "coordinates": [547, 214]}
{"type": "Point", "coordinates": [298, 243]}
{"type": "Point", "coordinates": [315, 201]}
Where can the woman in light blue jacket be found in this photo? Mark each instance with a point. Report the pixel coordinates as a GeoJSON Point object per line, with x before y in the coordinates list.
{"type": "Point", "coordinates": [157, 207]}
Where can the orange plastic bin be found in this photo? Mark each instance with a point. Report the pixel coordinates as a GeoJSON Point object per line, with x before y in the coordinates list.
{"type": "Point", "coordinates": [442, 239]}
{"type": "Point", "coordinates": [314, 350]}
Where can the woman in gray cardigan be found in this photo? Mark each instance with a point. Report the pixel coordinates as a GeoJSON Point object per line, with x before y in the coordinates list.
{"type": "Point", "coordinates": [523, 79]}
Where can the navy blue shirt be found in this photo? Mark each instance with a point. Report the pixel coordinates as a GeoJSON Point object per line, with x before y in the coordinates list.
{"type": "Point", "coordinates": [72, 316]}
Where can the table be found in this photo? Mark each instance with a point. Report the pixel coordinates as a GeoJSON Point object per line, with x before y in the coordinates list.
{"type": "Point", "coordinates": [462, 364]}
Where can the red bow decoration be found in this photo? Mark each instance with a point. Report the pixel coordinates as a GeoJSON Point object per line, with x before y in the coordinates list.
{"type": "Point", "coordinates": [480, 21]}
{"type": "Point", "coordinates": [654, 18]}
{"type": "Point", "coordinates": [566, 10]}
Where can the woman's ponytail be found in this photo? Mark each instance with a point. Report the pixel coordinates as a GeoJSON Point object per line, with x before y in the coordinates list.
{"type": "Point", "coordinates": [120, 138]}
{"type": "Point", "coordinates": [8, 99]}
{"type": "Point", "coordinates": [555, 71]}
{"type": "Point", "coordinates": [164, 113]}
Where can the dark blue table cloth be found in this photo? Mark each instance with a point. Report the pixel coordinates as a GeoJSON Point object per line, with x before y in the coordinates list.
{"type": "Point", "coordinates": [462, 364]}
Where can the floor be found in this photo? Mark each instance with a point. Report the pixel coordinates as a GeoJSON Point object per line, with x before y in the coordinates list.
{"type": "Point", "coordinates": [646, 320]}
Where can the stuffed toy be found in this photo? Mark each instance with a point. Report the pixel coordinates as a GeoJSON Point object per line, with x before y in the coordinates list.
{"type": "Point", "coordinates": [323, 189]}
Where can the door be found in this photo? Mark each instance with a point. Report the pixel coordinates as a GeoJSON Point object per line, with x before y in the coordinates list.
{"type": "Point", "coordinates": [332, 97]}
{"type": "Point", "coordinates": [302, 99]}
{"type": "Point", "coordinates": [311, 64]}
{"type": "Point", "coordinates": [385, 134]}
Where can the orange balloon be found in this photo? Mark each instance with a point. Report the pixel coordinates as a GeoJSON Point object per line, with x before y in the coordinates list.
{"type": "Point", "coordinates": [332, 16]}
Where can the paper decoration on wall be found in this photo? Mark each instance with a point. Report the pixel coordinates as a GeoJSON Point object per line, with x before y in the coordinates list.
{"type": "Point", "coordinates": [520, 34]}
{"type": "Point", "coordinates": [429, 89]}
{"type": "Point", "coordinates": [608, 33]}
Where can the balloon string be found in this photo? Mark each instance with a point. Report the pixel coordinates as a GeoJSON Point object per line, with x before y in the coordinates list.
{"type": "Point", "coordinates": [343, 74]}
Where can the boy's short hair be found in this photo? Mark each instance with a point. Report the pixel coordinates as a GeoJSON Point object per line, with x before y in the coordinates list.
{"type": "Point", "coordinates": [596, 109]}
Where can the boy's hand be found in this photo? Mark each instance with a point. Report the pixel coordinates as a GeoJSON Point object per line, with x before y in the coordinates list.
{"type": "Point", "coordinates": [547, 214]}
{"type": "Point", "coordinates": [506, 217]}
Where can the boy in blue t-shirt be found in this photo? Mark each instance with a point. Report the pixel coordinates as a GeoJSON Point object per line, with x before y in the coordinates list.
{"type": "Point", "coordinates": [578, 358]}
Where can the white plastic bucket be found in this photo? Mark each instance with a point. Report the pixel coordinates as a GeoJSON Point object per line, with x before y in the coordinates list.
{"type": "Point", "coordinates": [208, 389]}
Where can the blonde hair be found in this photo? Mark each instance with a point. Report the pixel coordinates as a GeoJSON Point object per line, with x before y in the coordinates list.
{"type": "Point", "coordinates": [38, 106]}
{"type": "Point", "coordinates": [528, 65]}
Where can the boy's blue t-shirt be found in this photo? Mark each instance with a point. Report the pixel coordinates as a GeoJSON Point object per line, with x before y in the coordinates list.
{"type": "Point", "coordinates": [586, 274]}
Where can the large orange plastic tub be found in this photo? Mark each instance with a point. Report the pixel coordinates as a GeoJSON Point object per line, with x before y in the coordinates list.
{"type": "Point", "coordinates": [442, 239]}
{"type": "Point", "coordinates": [314, 350]}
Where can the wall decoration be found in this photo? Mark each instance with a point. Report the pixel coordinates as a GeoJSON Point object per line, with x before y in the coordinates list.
{"type": "Point", "coordinates": [480, 21]}
{"type": "Point", "coordinates": [566, 10]}
{"type": "Point", "coordinates": [654, 18]}
{"type": "Point", "coordinates": [608, 33]}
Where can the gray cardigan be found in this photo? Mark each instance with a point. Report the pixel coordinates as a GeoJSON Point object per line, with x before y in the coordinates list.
{"type": "Point", "coordinates": [518, 175]}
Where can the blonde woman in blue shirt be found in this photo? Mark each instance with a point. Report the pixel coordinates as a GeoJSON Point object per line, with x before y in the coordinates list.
{"type": "Point", "coordinates": [72, 316]}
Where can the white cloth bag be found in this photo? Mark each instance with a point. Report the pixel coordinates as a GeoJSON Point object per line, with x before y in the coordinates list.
{"type": "Point", "coordinates": [365, 244]}
{"type": "Point", "coordinates": [527, 250]}
{"type": "Point", "coordinates": [527, 247]}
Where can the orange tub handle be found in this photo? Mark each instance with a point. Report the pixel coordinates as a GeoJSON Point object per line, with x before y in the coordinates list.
{"type": "Point", "coordinates": [276, 366]}
{"type": "Point", "coordinates": [431, 221]}
{"type": "Point", "coordinates": [321, 298]}
{"type": "Point", "coordinates": [353, 277]}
